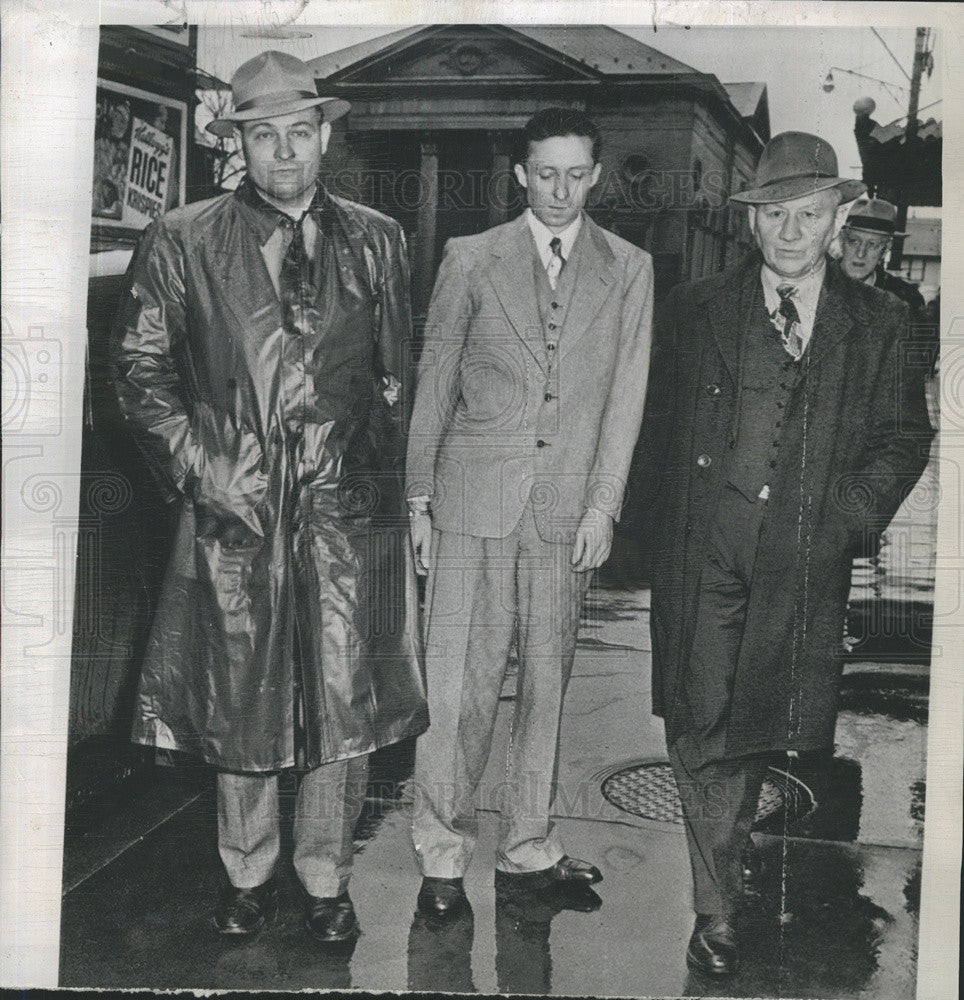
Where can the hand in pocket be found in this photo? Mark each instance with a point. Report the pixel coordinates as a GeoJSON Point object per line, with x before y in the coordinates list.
{"type": "Point", "coordinates": [231, 480]}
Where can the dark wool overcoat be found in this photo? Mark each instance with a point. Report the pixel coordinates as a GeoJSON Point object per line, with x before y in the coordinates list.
{"type": "Point", "coordinates": [855, 440]}
{"type": "Point", "coordinates": [276, 422]}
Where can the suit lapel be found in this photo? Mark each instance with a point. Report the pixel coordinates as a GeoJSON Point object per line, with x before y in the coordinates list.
{"type": "Point", "coordinates": [594, 276]}
{"type": "Point", "coordinates": [512, 279]}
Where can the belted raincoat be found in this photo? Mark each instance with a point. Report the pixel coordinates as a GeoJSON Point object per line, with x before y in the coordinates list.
{"type": "Point", "coordinates": [276, 420]}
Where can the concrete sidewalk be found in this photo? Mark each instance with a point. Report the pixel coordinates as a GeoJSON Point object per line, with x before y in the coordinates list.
{"type": "Point", "coordinates": [835, 919]}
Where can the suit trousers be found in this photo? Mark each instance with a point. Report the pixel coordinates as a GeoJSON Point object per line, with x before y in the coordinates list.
{"type": "Point", "coordinates": [719, 797]}
{"type": "Point", "coordinates": [481, 593]}
{"type": "Point", "coordinates": [327, 807]}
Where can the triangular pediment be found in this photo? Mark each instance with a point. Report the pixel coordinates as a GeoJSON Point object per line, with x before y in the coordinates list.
{"type": "Point", "coordinates": [452, 53]}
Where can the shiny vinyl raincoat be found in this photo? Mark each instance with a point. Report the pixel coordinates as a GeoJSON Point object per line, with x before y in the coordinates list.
{"type": "Point", "coordinates": [279, 429]}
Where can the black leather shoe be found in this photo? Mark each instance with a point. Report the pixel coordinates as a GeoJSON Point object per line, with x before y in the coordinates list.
{"type": "Point", "coordinates": [246, 911]}
{"type": "Point", "coordinates": [571, 871]}
{"type": "Point", "coordinates": [331, 919]}
{"type": "Point", "coordinates": [712, 948]}
{"type": "Point", "coordinates": [441, 897]}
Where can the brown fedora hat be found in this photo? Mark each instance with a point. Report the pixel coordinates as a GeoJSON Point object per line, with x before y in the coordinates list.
{"type": "Point", "coordinates": [795, 164]}
{"type": "Point", "coordinates": [273, 84]}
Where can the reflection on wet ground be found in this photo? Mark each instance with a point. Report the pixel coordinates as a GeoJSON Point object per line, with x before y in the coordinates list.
{"type": "Point", "coordinates": [837, 916]}
{"type": "Point", "coordinates": [832, 920]}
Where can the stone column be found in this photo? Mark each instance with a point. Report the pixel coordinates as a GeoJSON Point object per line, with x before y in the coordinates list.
{"type": "Point", "coordinates": [500, 181]}
{"type": "Point", "coordinates": [424, 263]}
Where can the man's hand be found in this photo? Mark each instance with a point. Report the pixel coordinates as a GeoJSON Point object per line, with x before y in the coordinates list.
{"type": "Point", "coordinates": [420, 526]}
{"type": "Point", "coordinates": [594, 539]}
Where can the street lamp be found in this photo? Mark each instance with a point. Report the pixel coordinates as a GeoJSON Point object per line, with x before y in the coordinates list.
{"type": "Point", "coordinates": [829, 84]}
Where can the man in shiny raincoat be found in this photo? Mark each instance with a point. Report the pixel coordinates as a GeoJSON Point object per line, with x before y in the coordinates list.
{"type": "Point", "coordinates": [260, 358]}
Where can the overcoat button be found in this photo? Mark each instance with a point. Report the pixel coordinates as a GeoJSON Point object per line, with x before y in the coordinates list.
{"type": "Point", "coordinates": [704, 461]}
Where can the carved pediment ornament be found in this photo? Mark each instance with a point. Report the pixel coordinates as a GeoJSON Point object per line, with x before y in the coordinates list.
{"type": "Point", "coordinates": [466, 59]}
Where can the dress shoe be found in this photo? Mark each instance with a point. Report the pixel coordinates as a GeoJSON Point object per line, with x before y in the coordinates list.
{"type": "Point", "coordinates": [712, 947]}
{"type": "Point", "coordinates": [331, 919]}
{"type": "Point", "coordinates": [246, 911]}
{"type": "Point", "coordinates": [441, 897]}
{"type": "Point", "coordinates": [570, 871]}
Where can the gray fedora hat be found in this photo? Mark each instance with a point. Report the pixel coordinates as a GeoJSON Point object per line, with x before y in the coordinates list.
{"type": "Point", "coordinates": [795, 164]}
{"type": "Point", "coordinates": [273, 84]}
{"type": "Point", "coordinates": [874, 216]}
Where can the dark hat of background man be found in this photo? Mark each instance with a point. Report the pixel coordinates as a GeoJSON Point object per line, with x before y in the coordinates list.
{"type": "Point", "coordinates": [273, 84]}
{"type": "Point", "coordinates": [796, 164]}
{"type": "Point", "coordinates": [874, 216]}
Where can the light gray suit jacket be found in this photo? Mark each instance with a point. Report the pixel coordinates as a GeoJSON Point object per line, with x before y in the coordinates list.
{"type": "Point", "coordinates": [499, 419]}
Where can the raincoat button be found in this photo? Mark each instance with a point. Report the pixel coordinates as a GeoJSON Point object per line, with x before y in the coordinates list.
{"type": "Point", "coordinates": [704, 461]}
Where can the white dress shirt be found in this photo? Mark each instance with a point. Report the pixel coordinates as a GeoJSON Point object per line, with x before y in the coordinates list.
{"type": "Point", "coordinates": [805, 298]}
{"type": "Point", "coordinates": [542, 234]}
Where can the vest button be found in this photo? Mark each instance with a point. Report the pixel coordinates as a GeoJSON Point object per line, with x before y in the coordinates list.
{"type": "Point", "coordinates": [540, 443]}
{"type": "Point", "coordinates": [548, 397]}
{"type": "Point", "coordinates": [552, 326]}
{"type": "Point", "coordinates": [704, 461]}
{"type": "Point", "coordinates": [550, 347]}
{"type": "Point", "coordinates": [554, 305]}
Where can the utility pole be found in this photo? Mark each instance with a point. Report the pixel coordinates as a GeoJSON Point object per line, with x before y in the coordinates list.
{"type": "Point", "coordinates": [910, 136]}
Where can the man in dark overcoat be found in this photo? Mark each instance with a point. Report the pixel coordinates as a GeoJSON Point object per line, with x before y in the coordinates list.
{"type": "Point", "coordinates": [260, 361]}
{"type": "Point", "coordinates": [864, 242]}
{"type": "Point", "coordinates": [783, 427]}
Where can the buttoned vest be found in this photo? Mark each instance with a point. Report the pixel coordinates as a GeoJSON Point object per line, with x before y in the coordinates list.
{"type": "Point", "coordinates": [769, 376]}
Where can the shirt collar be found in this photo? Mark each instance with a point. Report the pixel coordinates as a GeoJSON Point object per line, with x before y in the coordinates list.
{"type": "Point", "coordinates": [808, 287]}
{"type": "Point", "coordinates": [542, 234]}
{"type": "Point", "coordinates": [264, 217]}
{"type": "Point", "coordinates": [805, 298]}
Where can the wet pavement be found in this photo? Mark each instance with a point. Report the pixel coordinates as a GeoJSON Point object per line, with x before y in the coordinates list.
{"type": "Point", "coordinates": [838, 910]}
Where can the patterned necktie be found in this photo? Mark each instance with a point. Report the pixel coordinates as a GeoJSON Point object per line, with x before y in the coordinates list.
{"type": "Point", "coordinates": [294, 280]}
{"type": "Point", "coordinates": [556, 261]}
{"type": "Point", "coordinates": [790, 335]}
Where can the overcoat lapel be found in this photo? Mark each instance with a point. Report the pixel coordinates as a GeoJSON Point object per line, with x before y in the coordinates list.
{"type": "Point", "coordinates": [729, 312]}
{"type": "Point", "coordinates": [594, 277]}
{"type": "Point", "coordinates": [243, 277]}
{"type": "Point", "coordinates": [834, 321]}
{"type": "Point", "coordinates": [514, 284]}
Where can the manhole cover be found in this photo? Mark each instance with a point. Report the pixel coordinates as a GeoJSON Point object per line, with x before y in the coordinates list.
{"type": "Point", "coordinates": [649, 790]}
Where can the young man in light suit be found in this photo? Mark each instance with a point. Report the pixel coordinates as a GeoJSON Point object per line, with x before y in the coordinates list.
{"type": "Point", "coordinates": [529, 402]}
